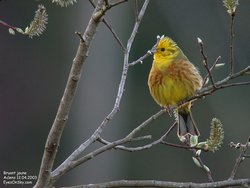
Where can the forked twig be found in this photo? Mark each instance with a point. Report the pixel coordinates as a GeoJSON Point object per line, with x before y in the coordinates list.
{"type": "Point", "coordinates": [205, 62]}
{"type": "Point", "coordinates": [243, 149]}
{"type": "Point", "coordinates": [211, 69]}
{"type": "Point", "coordinates": [104, 20]}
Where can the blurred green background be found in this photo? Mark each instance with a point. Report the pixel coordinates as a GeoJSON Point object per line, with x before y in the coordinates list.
{"type": "Point", "coordinates": [34, 72]}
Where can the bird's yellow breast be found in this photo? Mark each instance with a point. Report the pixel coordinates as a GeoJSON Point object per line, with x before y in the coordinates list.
{"type": "Point", "coordinates": [170, 84]}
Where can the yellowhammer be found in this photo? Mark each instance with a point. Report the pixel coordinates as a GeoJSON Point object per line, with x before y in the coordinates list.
{"type": "Point", "coordinates": [173, 78]}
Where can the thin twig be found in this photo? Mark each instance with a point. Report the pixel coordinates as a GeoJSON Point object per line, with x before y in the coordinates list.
{"type": "Point", "coordinates": [114, 33]}
{"type": "Point", "coordinates": [7, 25]}
{"type": "Point", "coordinates": [243, 149]}
{"type": "Point", "coordinates": [117, 3]}
{"type": "Point", "coordinates": [104, 20]}
{"type": "Point", "coordinates": [164, 184]}
{"type": "Point", "coordinates": [80, 36]}
{"type": "Point", "coordinates": [234, 84]}
{"type": "Point", "coordinates": [232, 44]}
{"type": "Point", "coordinates": [68, 165]}
{"type": "Point", "coordinates": [177, 145]}
{"type": "Point", "coordinates": [148, 53]}
{"type": "Point", "coordinates": [211, 69]}
{"type": "Point", "coordinates": [205, 62]}
{"type": "Point", "coordinates": [140, 148]}
{"type": "Point", "coordinates": [140, 60]}
{"type": "Point", "coordinates": [146, 123]}
{"type": "Point", "coordinates": [219, 85]}
{"type": "Point", "coordinates": [136, 9]}
{"type": "Point", "coordinates": [203, 166]}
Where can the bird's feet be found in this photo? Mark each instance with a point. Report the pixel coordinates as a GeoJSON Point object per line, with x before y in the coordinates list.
{"type": "Point", "coordinates": [168, 110]}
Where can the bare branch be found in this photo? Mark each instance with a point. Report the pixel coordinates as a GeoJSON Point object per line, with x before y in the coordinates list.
{"type": "Point", "coordinates": [219, 85]}
{"type": "Point", "coordinates": [7, 25]}
{"type": "Point", "coordinates": [104, 20]}
{"type": "Point", "coordinates": [232, 44]}
{"type": "Point", "coordinates": [117, 3]}
{"type": "Point", "coordinates": [211, 69]}
{"type": "Point", "coordinates": [234, 84]}
{"type": "Point", "coordinates": [53, 140]}
{"type": "Point", "coordinates": [68, 165]}
{"type": "Point", "coordinates": [176, 145]}
{"type": "Point", "coordinates": [136, 9]}
{"type": "Point", "coordinates": [114, 33]}
{"type": "Point", "coordinates": [149, 52]}
{"type": "Point", "coordinates": [205, 62]}
{"type": "Point", "coordinates": [164, 184]}
{"type": "Point", "coordinates": [243, 149]}
{"type": "Point", "coordinates": [203, 166]}
{"type": "Point", "coordinates": [140, 148]}
{"type": "Point", "coordinates": [71, 161]}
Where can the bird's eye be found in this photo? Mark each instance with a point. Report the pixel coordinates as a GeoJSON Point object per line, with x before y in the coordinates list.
{"type": "Point", "coordinates": [162, 49]}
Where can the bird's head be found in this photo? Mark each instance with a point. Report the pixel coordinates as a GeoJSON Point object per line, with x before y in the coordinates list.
{"type": "Point", "coordinates": [167, 49]}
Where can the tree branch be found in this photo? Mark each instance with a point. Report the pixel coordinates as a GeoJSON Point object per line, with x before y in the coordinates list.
{"type": "Point", "coordinates": [53, 140]}
{"type": "Point", "coordinates": [104, 20]}
{"type": "Point", "coordinates": [243, 149]}
{"type": "Point", "coordinates": [149, 52]}
{"type": "Point", "coordinates": [211, 69]}
{"type": "Point", "coordinates": [140, 148]}
{"type": "Point", "coordinates": [7, 25]}
{"type": "Point", "coordinates": [202, 165]}
{"type": "Point", "coordinates": [71, 161]}
{"type": "Point", "coordinates": [232, 44]}
{"type": "Point", "coordinates": [219, 85]}
{"type": "Point", "coordinates": [205, 62]}
{"type": "Point", "coordinates": [165, 184]}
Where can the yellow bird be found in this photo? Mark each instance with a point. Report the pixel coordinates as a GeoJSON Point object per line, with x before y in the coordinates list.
{"type": "Point", "coordinates": [173, 78]}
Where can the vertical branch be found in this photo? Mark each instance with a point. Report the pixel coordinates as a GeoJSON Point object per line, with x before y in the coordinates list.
{"type": "Point", "coordinates": [206, 62]}
{"type": "Point", "coordinates": [53, 140]}
{"type": "Point", "coordinates": [202, 165]}
{"type": "Point", "coordinates": [232, 44]}
{"type": "Point", "coordinates": [231, 6]}
{"type": "Point", "coordinates": [205, 79]}
{"type": "Point", "coordinates": [136, 9]}
{"type": "Point", "coordinates": [243, 148]}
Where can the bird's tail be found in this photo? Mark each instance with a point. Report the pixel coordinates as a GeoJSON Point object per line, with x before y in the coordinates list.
{"type": "Point", "coordinates": [187, 129]}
